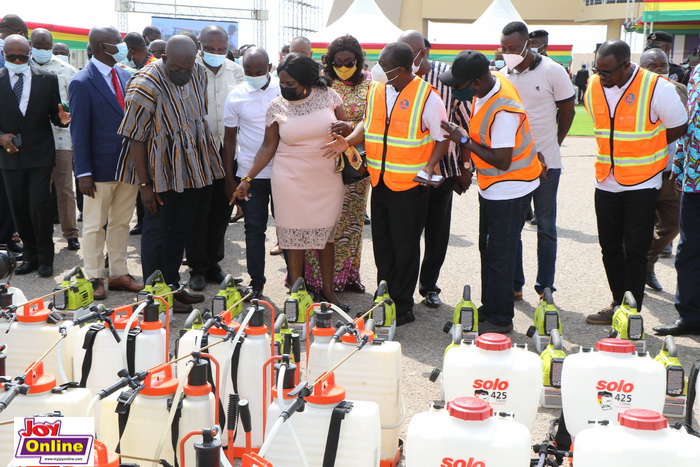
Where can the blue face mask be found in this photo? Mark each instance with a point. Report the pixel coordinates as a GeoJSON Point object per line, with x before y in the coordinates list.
{"type": "Point", "coordinates": [213, 60]}
{"type": "Point", "coordinates": [257, 82]}
{"type": "Point", "coordinates": [15, 68]}
{"type": "Point", "coordinates": [466, 94]}
{"type": "Point", "coordinates": [500, 63]}
{"type": "Point", "coordinates": [41, 56]}
{"type": "Point", "coordinates": [129, 62]}
{"type": "Point", "coordinates": [122, 52]}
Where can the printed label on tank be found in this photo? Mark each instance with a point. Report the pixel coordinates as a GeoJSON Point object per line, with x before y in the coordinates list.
{"type": "Point", "coordinates": [471, 462]}
{"type": "Point", "coordinates": [495, 392]}
{"type": "Point", "coordinates": [614, 394]}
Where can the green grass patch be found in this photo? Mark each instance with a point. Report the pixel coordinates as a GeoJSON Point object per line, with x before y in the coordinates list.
{"type": "Point", "coordinates": [583, 124]}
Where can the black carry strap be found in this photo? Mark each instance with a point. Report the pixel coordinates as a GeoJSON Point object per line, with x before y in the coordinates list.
{"type": "Point", "coordinates": [690, 402]}
{"type": "Point", "coordinates": [123, 419]}
{"type": "Point", "coordinates": [131, 350]}
{"type": "Point", "coordinates": [88, 343]}
{"type": "Point", "coordinates": [175, 428]}
{"type": "Point", "coordinates": [234, 364]}
{"type": "Point", "coordinates": [334, 432]}
{"type": "Point", "coordinates": [212, 380]}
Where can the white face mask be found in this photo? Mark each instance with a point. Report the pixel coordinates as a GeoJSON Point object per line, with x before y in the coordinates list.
{"type": "Point", "coordinates": [414, 67]}
{"type": "Point", "coordinates": [513, 60]}
{"type": "Point", "coordinates": [378, 74]}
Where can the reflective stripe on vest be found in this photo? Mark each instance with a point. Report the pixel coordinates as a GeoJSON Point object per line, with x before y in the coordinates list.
{"type": "Point", "coordinates": [525, 166]}
{"type": "Point", "coordinates": [629, 144]}
{"type": "Point", "coordinates": [397, 146]}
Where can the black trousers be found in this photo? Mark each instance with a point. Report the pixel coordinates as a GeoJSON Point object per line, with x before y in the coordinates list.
{"type": "Point", "coordinates": [437, 236]}
{"type": "Point", "coordinates": [205, 246]}
{"type": "Point", "coordinates": [165, 234]}
{"type": "Point", "coordinates": [398, 218]}
{"type": "Point", "coordinates": [625, 231]}
{"type": "Point", "coordinates": [29, 195]}
{"type": "Point", "coordinates": [688, 260]}
{"type": "Point", "coordinates": [7, 225]}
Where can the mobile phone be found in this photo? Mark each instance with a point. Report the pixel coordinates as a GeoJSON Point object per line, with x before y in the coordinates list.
{"type": "Point", "coordinates": [17, 141]}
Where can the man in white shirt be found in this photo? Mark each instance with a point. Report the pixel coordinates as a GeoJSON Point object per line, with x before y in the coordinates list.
{"type": "Point", "coordinates": [205, 247]}
{"type": "Point", "coordinates": [43, 58]}
{"type": "Point", "coordinates": [545, 88]}
{"type": "Point", "coordinates": [626, 101]}
{"type": "Point", "coordinates": [244, 119]}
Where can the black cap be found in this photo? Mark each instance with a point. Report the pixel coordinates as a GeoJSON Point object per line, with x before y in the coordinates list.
{"type": "Point", "coordinates": [467, 65]}
{"type": "Point", "coordinates": [539, 33]}
{"type": "Point", "coordinates": [660, 36]}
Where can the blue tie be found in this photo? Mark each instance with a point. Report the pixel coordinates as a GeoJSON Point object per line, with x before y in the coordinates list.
{"type": "Point", "coordinates": [17, 88]}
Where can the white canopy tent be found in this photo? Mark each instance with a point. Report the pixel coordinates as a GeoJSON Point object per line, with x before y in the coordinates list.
{"type": "Point", "coordinates": [487, 28]}
{"type": "Point", "coordinates": [365, 21]}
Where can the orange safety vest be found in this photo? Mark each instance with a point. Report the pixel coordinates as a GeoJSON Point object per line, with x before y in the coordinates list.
{"type": "Point", "coordinates": [525, 165]}
{"type": "Point", "coordinates": [630, 144]}
{"type": "Point", "coordinates": [396, 144]}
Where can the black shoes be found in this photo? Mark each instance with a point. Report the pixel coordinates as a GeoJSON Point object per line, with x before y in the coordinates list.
{"type": "Point", "coordinates": [136, 230]}
{"type": "Point", "coordinates": [678, 328]}
{"type": "Point", "coordinates": [45, 271]}
{"type": "Point", "coordinates": [26, 267]}
{"type": "Point", "coordinates": [488, 326]}
{"type": "Point", "coordinates": [432, 300]}
{"type": "Point", "coordinates": [188, 298]}
{"type": "Point", "coordinates": [652, 282]}
{"type": "Point", "coordinates": [254, 291]}
{"type": "Point", "coordinates": [197, 282]}
{"type": "Point", "coordinates": [405, 318]}
{"type": "Point", "coordinates": [667, 252]}
{"type": "Point", "coordinates": [368, 221]}
{"type": "Point", "coordinates": [73, 244]}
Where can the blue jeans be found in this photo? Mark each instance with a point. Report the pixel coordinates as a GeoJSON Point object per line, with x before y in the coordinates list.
{"type": "Point", "coordinates": [500, 225]}
{"type": "Point", "coordinates": [688, 260]}
{"type": "Point", "coordinates": [255, 222]}
{"type": "Point", "coordinates": [545, 200]}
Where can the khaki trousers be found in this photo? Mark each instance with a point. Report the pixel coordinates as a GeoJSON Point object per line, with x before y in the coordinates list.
{"type": "Point", "coordinates": [113, 205]}
{"type": "Point", "coordinates": [667, 211]}
{"type": "Point", "coordinates": [62, 179]}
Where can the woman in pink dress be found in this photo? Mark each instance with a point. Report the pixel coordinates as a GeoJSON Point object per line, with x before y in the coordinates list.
{"type": "Point", "coordinates": [306, 189]}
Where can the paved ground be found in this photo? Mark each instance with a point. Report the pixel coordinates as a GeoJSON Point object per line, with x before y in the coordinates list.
{"type": "Point", "coordinates": [581, 283]}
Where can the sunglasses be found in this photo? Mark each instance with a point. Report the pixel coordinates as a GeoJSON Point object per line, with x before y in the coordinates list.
{"type": "Point", "coordinates": [346, 64]}
{"type": "Point", "coordinates": [607, 74]}
{"type": "Point", "coordinates": [14, 58]}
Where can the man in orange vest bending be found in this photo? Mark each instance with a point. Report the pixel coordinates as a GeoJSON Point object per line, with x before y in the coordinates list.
{"type": "Point", "coordinates": [402, 136]}
{"type": "Point", "coordinates": [635, 116]}
{"type": "Point", "coordinates": [508, 171]}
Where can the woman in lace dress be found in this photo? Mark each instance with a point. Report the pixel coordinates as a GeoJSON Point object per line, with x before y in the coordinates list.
{"type": "Point", "coordinates": [344, 63]}
{"type": "Point", "coordinates": [306, 190]}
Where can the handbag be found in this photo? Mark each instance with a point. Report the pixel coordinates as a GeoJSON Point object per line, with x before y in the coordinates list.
{"type": "Point", "coordinates": [352, 165]}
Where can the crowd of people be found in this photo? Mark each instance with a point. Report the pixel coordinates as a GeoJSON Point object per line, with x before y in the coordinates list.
{"type": "Point", "coordinates": [181, 133]}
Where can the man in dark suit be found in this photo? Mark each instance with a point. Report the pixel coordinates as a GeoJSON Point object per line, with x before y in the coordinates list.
{"type": "Point", "coordinates": [97, 95]}
{"type": "Point", "coordinates": [30, 102]}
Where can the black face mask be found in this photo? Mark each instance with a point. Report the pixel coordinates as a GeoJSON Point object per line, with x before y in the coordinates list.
{"type": "Point", "coordinates": [290, 94]}
{"type": "Point", "coordinates": [180, 78]}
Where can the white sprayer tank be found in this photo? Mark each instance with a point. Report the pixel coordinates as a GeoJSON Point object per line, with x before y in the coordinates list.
{"type": "Point", "coordinates": [360, 432]}
{"type": "Point", "coordinates": [599, 385]}
{"type": "Point", "coordinates": [373, 374]}
{"type": "Point", "coordinates": [508, 378]}
{"type": "Point", "coordinates": [39, 400]}
{"type": "Point", "coordinates": [466, 434]}
{"type": "Point", "coordinates": [30, 335]}
{"type": "Point", "coordinates": [642, 439]}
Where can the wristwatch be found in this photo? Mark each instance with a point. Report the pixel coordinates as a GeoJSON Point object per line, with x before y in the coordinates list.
{"type": "Point", "coordinates": [464, 140]}
{"type": "Point", "coordinates": [148, 183]}
{"type": "Point", "coordinates": [247, 179]}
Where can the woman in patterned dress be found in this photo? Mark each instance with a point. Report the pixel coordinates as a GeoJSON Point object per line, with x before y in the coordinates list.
{"type": "Point", "coordinates": [344, 63]}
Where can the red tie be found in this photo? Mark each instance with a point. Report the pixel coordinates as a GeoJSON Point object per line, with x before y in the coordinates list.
{"type": "Point", "coordinates": [117, 88]}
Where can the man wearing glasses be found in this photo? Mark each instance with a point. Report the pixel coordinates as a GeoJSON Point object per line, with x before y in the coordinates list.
{"type": "Point", "coordinates": [636, 114]}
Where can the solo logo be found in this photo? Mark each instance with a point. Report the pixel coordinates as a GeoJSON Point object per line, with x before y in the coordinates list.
{"type": "Point", "coordinates": [619, 386]}
{"type": "Point", "coordinates": [488, 384]}
{"type": "Point", "coordinates": [49, 440]}
{"type": "Point", "coordinates": [449, 462]}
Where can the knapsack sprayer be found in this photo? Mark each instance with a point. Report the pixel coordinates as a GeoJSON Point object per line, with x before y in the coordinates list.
{"type": "Point", "coordinates": [384, 316]}
{"type": "Point", "coordinates": [298, 308]}
{"type": "Point", "coordinates": [227, 298]}
{"type": "Point", "coordinates": [546, 320]}
{"type": "Point", "coordinates": [628, 324]}
{"type": "Point", "coordinates": [75, 294]}
{"type": "Point", "coordinates": [676, 382]}
{"type": "Point", "coordinates": [155, 285]}
{"type": "Point", "coordinates": [465, 320]}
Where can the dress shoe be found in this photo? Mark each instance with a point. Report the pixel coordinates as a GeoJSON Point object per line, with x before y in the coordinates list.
{"type": "Point", "coordinates": [197, 282]}
{"type": "Point", "coordinates": [179, 307]}
{"type": "Point", "coordinates": [652, 282]}
{"type": "Point", "coordinates": [188, 298]}
{"type": "Point", "coordinates": [533, 221]}
{"type": "Point", "coordinates": [125, 282]}
{"type": "Point", "coordinates": [100, 293]}
{"type": "Point", "coordinates": [604, 316]}
{"type": "Point", "coordinates": [26, 267]}
{"type": "Point", "coordinates": [405, 318]}
{"type": "Point", "coordinates": [73, 244]}
{"type": "Point", "coordinates": [14, 247]}
{"type": "Point", "coordinates": [518, 295]}
{"type": "Point", "coordinates": [254, 291]}
{"type": "Point", "coordinates": [136, 230]}
{"type": "Point", "coordinates": [432, 300]}
{"type": "Point", "coordinates": [45, 271]}
{"type": "Point", "coordinates": [678, 328]}
{"type": "Point", "coordinates": [488, 326]}
{"type": "Point", "coordinates": [80, 217]}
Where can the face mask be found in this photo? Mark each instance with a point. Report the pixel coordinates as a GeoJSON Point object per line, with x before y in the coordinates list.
{"type": "Point", "coordinates": [466, 94]}
{"type": "Point", "coordinates": [513, 60]}
{"type": "Point", "coordinates": [344, 72]}
{"type": "Point", "coordinates": [180, 78]}
{"type": "Point", "coordinates": [290, 94]}
{"type": "Point", "coordinates": [256, 82]}
{"type": "Point", "coordinates": [41, 56]}
{"type": "Point", "coordinates": [535, 50]}
{"type": "Point", "coordinates": [500, 63]}
{"type": "Point", "coordinates": [213, 60]}
{"type": "Point", "coordinates": [665, 75]}
{"type": "Point", "coordinates": [63, 58]}
{"type": "Point", "coordinates": [122, 52]}
{"type": "Point", "coordinates": [378, 74]}
{"type": "Point", "coordinates": [17, 69]}
{"type": "Point", "coordinates": [129, 62]}
{"type": "Point", "coordinates": [414, 67]}
{"type": "Point", "coordinates": [2, 43]}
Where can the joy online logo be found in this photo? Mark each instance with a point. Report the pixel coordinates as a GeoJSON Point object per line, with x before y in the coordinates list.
{"type": "Point", "coordinates": [449, 462]}
{"type": "Point", "coordinates": [44, 440]}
